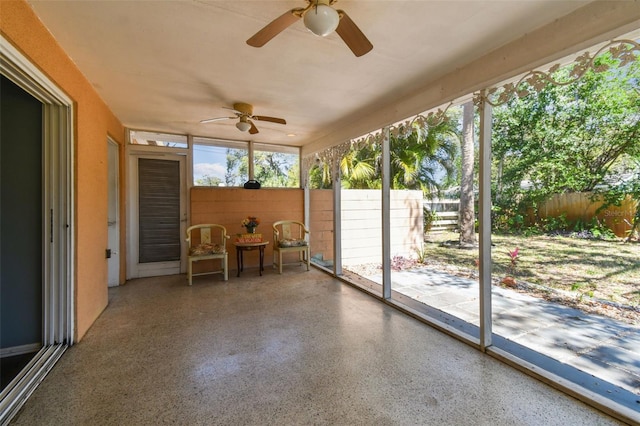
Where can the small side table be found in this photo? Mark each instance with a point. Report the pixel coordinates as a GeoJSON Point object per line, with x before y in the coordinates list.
{"type": "Point", "coordinates": [242, 247]}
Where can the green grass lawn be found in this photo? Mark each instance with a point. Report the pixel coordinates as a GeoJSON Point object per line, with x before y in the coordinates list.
{"type": "Point", "coordinates": [608, 270]}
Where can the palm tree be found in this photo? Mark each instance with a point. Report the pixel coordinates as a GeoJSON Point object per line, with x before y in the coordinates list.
{"type": "Point", "coordinates": [425, 157]}
{"type": "Point", "coordinates": [422, 159]}
{"type": "Point", "coordinates": [358, 168]}
{"type": "Point", "coordinates": [320, 176]}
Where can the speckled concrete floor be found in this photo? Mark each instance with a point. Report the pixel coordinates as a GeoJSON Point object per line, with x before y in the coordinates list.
{"type": "Point", "coordinates": [296, 349]}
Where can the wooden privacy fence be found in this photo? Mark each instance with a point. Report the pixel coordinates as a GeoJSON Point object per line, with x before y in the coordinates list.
{"type": "Point", "coordinates": [578, 206]}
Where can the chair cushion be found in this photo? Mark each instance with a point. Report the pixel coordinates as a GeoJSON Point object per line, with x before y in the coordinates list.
{"type": "Point", "coordinates": [290, 242]}
{"type": "Point", "coordinates": [206, 249]}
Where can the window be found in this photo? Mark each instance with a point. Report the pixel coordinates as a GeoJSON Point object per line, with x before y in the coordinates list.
{"type": "Point", "coordinates": [158, 139]}
{"type": "Point", "coordinates": [277, 166]}
{"type": "Point", "coordinates": [220, 163]}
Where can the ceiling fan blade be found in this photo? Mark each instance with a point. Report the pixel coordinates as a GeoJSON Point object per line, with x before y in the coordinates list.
{"type": "Point", "coordinates": [271, 119]}
{"type": "Point", "coordinates": [274, 28]}
{"type": "Point", "coordinates": [352, 36]}
{"type": "Point", "coordinates": [253, 130]}
{"type": "Point", "coordinates": [209, 120]}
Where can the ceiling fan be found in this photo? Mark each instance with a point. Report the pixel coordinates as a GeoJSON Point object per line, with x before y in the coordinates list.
{"type": "Point", "coordinates": [244, 113]}
{"type": "Point", "coordinates": [321, 19]}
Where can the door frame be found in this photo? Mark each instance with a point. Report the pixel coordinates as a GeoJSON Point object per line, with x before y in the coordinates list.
{"type": "Point", "coordinates": [113, 233]}
{"type": "Point", "coordinates": [58, 222]}
{"type": "Point", "coordinates": [134, 268]}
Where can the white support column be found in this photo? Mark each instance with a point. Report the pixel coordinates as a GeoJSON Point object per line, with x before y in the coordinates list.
{"type": "Point", "coordinates": [307, 206]}
{"type": "Point", "coordinates": [337, 217]}
{"type": "Point", "coordinates": [386, 215]}
{"type": "Point", "coordinates": [304, 182]}
{"type": "Point", "coordinates": [251, 161]}
{"type": "Point", "coordinates": [484, 214]}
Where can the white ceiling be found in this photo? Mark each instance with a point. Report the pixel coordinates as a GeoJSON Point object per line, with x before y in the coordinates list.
{"type": "Point", "coordinates": [166, 65]}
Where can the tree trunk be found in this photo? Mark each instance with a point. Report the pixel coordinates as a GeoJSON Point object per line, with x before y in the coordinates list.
{"type": "Point", "coordinates": [636, 224]}
{"type": "Point", "coordinates": [467, 209]}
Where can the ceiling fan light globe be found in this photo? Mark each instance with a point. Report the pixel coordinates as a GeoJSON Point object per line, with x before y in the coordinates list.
{"type": "Point", "coordinates": [321, 20]}
{"type": "Point", "coordinates": [243, 126]}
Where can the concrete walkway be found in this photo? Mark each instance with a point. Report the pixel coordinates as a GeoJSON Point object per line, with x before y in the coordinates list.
{"type": "Point", "coordinates": [600, 346]}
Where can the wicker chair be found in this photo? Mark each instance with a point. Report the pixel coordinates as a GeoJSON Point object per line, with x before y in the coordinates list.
{"type": "Point", "coordinates": [206, 242]}
{"type": "Point", "coordinates": [290, 236]}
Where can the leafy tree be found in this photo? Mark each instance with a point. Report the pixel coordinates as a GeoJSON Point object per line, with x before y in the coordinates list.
{"type": "Point", "coordinates": [208, 180]}
{"type": "Point", "coordinates": [237, 167]}
{"type": "Point", "coordinates": [276, 169]}
{"type": "Point", "coordinates": [565, 138]}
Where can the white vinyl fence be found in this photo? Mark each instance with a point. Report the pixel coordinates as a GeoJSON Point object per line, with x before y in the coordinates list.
{"type": "Point", "coordinates": [446, 211]}
{"type": "Point", "coordinates": [361, 225]}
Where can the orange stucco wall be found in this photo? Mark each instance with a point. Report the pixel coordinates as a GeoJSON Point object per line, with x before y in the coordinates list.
{"type": "Point", "coordinates": [321, 223]}
{"type": "Point", "coordinates": [228, 206]}
{"type": "Point", "coordinates": [93, 122]}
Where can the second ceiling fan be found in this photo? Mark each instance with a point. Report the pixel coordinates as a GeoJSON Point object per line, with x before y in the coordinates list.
{"type": "Point", "coordinates": [244, 114]}
{"type": "Point", "coordinates": [321, 19]}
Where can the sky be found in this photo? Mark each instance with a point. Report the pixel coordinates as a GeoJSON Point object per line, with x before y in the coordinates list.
{"type": "Point", "coordinates": [209, 160]}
